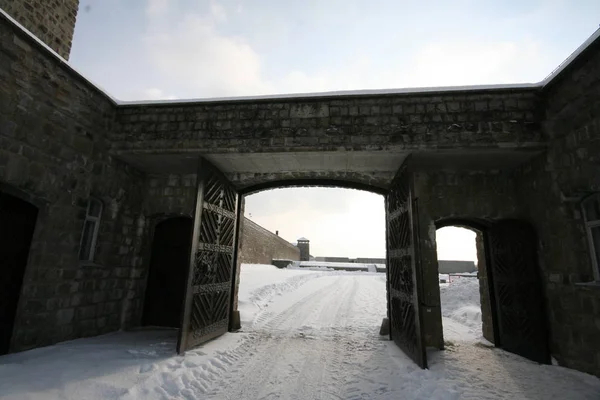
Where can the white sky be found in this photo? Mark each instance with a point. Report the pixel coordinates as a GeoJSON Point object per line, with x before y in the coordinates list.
{"type": "Point", "coordinates": [159, 49]}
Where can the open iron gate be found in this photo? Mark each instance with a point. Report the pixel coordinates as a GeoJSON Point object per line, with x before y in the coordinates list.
{"type": "Point", "coordinates": [209, 283]}
{"type": "Point", "coordinates": [403, 268]}
{"type": "Point", "coordinates": [518, 290]}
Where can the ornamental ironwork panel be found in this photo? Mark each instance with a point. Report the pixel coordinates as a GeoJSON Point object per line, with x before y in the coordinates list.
{"type": "Point", "coordinates": [403, 268]}
{"type": "Point", "coordinates": [516, 281]}
{"type": "Point", "coordinates": [209, 284]}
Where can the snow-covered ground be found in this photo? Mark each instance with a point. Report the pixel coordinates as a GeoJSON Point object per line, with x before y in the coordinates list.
{"type": "Point", "coordinates": [461, 309]}
{"type": "Point", "coordinates": [306, 335]}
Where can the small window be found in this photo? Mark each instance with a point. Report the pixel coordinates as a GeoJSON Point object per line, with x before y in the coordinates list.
{"type": "Point", "coordinates": [591, 214]}
{"type": "Point", "coordinates": [90, 230]}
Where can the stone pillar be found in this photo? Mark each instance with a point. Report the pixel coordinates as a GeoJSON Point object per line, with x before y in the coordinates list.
{"type": "Point", "coordinates": [234, 323]}
{"type": "Point", "coordinates": [430, 302]}
{"type": "Point", "coordinates": [484, 290]}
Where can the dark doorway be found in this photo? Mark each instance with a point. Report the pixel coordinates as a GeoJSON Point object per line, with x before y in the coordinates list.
{"type": "Point", "coordinates": [17, 222]}
{"type": "Point", "coordinates": [518, 290]}
{"type": "Point", "coordinates": [168, 272]}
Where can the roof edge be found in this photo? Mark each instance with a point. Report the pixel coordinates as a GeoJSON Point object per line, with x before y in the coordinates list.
{"type": "Point", "coordinates": [337, 93]}
{"type": "Point", "coordinates": [59, 58]}
{"type": "Point", "coordinates": [299, 96]}
{"type": "Point", "coordinates": [571, 59]}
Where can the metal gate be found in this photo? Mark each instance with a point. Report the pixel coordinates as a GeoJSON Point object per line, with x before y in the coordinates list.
{"type": "Point", "coordinates": [518, 291]}
{"type": "Point", "coordinates": [403, 268]}
{"type": "Point", "coordinates": [209, 282]}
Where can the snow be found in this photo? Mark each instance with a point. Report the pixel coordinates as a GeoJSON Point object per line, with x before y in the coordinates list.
{"type": "Point", "coordinates": [306, 335]}
{"type": "Point", "coordinates": [595, 36]}
{"type": "Point", "coordinates": [338, 93]}
{"type": "Point", "coordinates": [461, 309]}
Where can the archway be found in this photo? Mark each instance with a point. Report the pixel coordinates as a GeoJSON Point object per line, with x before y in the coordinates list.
{"type": "Point", "coordinates": [464, 290]}
{"type": "Point", "coordinates": [510, 285]}
{"type": "Point", "coordinates": [17, 224]}
{"type": "Point", "coordinates": [167, 272]}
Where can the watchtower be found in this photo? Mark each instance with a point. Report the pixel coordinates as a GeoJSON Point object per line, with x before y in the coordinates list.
{"type": "Point", "coordinates": [304, 246]}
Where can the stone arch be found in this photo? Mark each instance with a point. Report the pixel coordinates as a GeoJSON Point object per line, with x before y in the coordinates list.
{"type": "Point", "coordinates": [329, 183]}
{"type": "Point", "coordinates": [480, 227]}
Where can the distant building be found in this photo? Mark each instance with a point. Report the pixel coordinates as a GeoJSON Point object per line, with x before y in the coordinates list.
{"type": "Point", "coordinates": [360, 260]}
{"type": "Point", "coordinates": [304, 246]}
{"type": "Point", "coordinates": [455, 267]}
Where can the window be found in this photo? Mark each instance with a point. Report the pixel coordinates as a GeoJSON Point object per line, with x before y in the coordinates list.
{"type": "Point", "coordinates": [591, 214]}
{"type": "Point", "coordinates": [91, 226]}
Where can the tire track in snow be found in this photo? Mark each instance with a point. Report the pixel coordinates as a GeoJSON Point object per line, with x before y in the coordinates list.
{"type": "Point", "coordinates": [272, 349]}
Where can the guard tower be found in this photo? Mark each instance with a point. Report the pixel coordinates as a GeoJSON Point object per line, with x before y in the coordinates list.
{"type": "Point", "coordinates": [304, 246]}
{"type": "Point", "coordinates": [53, 22]}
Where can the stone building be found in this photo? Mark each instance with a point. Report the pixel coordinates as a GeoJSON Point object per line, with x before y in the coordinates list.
{"type": "Point", "coordinates": [260, 246]}
{"type": "Point", "coordinates": [94, 193]}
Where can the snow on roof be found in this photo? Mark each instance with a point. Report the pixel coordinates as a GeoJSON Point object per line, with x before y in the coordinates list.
{"type": "Point", "coordinates": [595, 36]}
{"type": "Point", "coordinates": [303, 238]}
{"type": "Point", "coordinates": [336, 93]}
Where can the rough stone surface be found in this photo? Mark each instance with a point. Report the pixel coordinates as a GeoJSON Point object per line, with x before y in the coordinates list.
{"type": "Point", "coordinates": [477, 119]}
{"type": "Point", "coordinates": [52, 21]}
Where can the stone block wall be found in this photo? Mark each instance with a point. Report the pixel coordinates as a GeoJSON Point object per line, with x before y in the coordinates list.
{"type": "Point", "coordinates": [260, 246]}
{"type": "Point", "coordinates": [444, 120]}
{"type": "Point", "coordinates": [53, 148]}
{"type": "Point", "coordinates": [551, 189]}
{"type": "Point", "coordinates": [52, 21]}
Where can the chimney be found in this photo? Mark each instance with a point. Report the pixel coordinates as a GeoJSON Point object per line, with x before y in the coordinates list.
{"type": "Point", "coordinates": [277, 233]}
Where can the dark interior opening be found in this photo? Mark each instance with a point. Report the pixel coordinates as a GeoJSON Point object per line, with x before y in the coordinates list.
{"type": "Point", "coordinates": [167, 273]}
{"type": "Point", "coordinates": [17, 223]}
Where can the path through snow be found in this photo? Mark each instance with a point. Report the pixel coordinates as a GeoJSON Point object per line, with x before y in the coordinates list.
{"type": "Point", "coordinates": [308, 335]}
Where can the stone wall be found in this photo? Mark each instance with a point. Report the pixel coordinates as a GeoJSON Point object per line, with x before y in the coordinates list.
{"type": "Point", "coordinates": [260, 246]}
{"type": "Point", "coordinates": [551, 189]}
{"type": "Point", "coordinates": [53, 148]}
{"type": "Point", "coordinates": [444, 120]}
{"type": "Point", "coordinates": [52, 21]}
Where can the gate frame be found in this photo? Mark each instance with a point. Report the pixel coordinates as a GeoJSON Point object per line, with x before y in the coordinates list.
{"type": "Point", "coordinates": [481, 225]}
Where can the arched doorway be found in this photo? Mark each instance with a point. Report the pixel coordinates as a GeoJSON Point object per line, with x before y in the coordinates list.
{"type": "Point", "coordinates": [168, 272]}
{"type": "Point", "coordinates": [17, 223]}
{"type": "Point", "coordinates": [507, 252]}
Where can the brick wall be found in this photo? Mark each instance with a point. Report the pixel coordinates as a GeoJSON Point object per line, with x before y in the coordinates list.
{"type": "Point", "coordinates": [260, 246]}
{"type": "Point", "coordinates": [52, 21]}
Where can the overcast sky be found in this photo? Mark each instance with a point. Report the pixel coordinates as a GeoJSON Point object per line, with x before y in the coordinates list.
{"type": "Point", "coordinates": [159, 49]}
